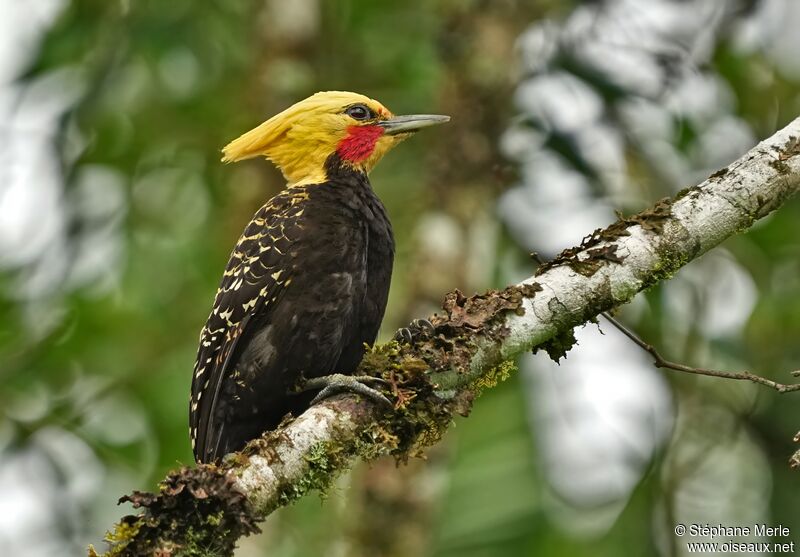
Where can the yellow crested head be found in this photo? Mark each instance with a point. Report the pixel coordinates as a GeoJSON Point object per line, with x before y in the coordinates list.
{"type": "Point", "coordinates": [301, 139]}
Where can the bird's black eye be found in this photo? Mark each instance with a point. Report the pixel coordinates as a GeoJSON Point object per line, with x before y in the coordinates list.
{"type": "Point", "coordinates": [359, 112]}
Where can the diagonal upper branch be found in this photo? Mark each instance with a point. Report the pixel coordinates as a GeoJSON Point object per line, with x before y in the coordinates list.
{"type": "Point", "coordinates": [473, 341]}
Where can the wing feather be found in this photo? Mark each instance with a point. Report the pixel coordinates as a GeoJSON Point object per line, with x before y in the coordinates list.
{"type": "Point", "coordinates": [251, 285]}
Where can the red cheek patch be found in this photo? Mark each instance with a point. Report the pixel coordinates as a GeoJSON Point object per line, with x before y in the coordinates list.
{"type": "Point", "coordinates": [359, 143]}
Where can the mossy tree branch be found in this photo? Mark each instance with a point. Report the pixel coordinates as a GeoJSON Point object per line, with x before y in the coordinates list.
{"type": "Point", "coordinates": [204, 510]}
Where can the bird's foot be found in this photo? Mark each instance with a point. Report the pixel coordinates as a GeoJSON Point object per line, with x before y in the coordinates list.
{"type": "Point", "coordinates": [419, 329]}
{"type": "Point", "coordinates": [336, 383]}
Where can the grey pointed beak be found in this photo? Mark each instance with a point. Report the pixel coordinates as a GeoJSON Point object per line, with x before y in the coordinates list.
{"type": "Point", "coordinates": [411, 123]}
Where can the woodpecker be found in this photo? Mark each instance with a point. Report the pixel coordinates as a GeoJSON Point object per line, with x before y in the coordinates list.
{"type": "Point", "coordinates": [306, 284]}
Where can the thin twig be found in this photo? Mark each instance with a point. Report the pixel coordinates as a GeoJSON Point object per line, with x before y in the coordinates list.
{"type": "Point", "coordinates": [794, 461]}
{"type": "Point", "coordinates": [660, 362]}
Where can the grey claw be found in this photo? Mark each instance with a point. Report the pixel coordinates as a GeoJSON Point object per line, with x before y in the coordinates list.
{"type": "Point", "coordinates": [370, 379]}
{"type": "Point", "coordinates": [418, 328]}
{"type": "Point", "coordinates": [323, 394]}
{"type": "Point", "coordinates": [339, 383]}
{"type": "Point", "coordinates": [404, 336]}
{"type": "Point", "coordinates": [424, 326]}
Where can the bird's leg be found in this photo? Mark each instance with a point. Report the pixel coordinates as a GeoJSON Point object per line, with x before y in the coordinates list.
{"type": "Point", "coordinates": [416, 330]}
{"type": "Point", "coordinates": [336, 383]}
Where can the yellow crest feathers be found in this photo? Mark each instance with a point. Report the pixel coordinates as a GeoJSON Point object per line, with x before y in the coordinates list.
{"type": "Point", "coordinates": [261, 139]}
{"type": "Point", "coordinates": [252, 143]}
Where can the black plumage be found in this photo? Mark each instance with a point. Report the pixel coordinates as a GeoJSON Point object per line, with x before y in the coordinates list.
{"type": "Point", "coordinates": [305, 288]}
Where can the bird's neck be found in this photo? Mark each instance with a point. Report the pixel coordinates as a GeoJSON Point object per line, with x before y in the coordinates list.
{"type": "Point", "coordinates": [337, 169]}
{"type": "Point", "coordinates": [332, 169]}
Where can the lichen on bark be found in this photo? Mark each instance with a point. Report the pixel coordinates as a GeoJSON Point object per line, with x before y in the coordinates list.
{"type": "Point", "coordinates": [198, 512]}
